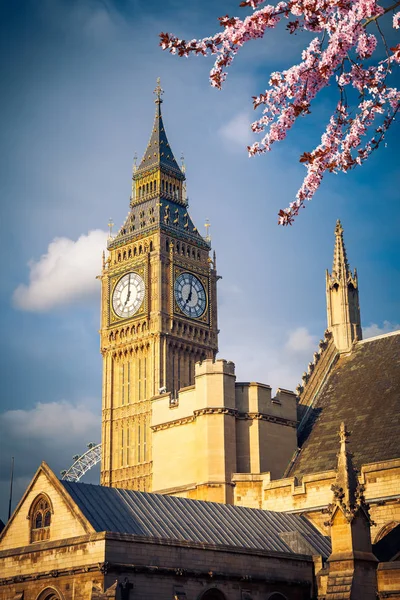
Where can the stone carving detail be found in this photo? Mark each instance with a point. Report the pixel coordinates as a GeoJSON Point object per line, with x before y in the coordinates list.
{"type": "Point", "coordinates": [348, 493]}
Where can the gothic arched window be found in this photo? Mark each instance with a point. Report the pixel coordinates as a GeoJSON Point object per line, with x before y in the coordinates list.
{"type": "Point", "coordinates": [40, 518]}
{"type": "Point", "coordinates": [49, 594]}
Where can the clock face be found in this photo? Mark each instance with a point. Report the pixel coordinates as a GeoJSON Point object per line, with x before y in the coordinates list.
{"type": "Point", "coordinates": [190, 295]}
{"type": "Point", "coordinates": [128, 295]}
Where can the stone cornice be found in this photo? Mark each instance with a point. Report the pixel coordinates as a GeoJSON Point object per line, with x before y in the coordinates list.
{"type": "Point", "coordinates": [118, 537]}
{"type": "Point", "coordinates": [36, 547]}
{"type": "Point", "coordinates": [223, 410]}
{"type": "Point", "coordinates": [108, 567]}
{"type": "Point", "coordinates": [202, 574]}
{"type": "Point", "coordinates": [54, 573]}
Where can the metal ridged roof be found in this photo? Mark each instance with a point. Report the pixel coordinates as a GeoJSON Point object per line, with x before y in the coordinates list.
{"type": "Point", "coordinates": [172, 518]}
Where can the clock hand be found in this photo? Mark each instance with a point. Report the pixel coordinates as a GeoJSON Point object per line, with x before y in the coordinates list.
{"type": "Point", "coordinates": [129, 292]}
{"type": "Point", "coordinates": [188, 299]}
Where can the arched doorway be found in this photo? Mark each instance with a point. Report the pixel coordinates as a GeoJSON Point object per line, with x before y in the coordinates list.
{"type": "Point", "coordinates": [212, 594]}
{"type": "Point", "coordinates": [276, 596]}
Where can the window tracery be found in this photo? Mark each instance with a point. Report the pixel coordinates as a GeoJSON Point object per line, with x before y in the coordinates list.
{"type": "Point", "coordinates": [40, 518]}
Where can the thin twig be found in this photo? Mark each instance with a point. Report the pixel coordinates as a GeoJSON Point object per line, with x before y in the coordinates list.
{"type": "Point", "coordinates": [386, 10]}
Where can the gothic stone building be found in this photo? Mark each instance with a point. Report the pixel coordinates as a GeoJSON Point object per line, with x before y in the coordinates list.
{"type": "Point", "coordinates": [178, 430]}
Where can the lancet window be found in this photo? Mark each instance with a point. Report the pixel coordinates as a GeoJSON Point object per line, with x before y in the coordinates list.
{"type": "Point", "coordinates": [40, 519]}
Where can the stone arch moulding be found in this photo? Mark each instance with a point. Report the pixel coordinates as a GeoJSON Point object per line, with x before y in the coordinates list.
{"type": "Point", "coordinates": [212, 593]}
{"type": "Point", "coordinates": [36, 501]}
{"type": "Point", "coordinates": [387, 528]}
{"type": "Point", "coordinates": [276, 596]}
{"type": "Point", "coordinates": [50, 593]}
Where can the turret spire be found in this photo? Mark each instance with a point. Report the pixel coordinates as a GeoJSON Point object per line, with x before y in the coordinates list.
{"type": "Point", "coordinates": [351, 566]}
{"type": "Point", "coordinates": [346, 479]}
{"type": "Point", "coordinates": [343, 310]}
{"type": "Point", "coordinates": [158, 198]}
{"type": "Point", "coordinates": [158, 153]}
{"type": "Point", "coordinates": [340, 267]}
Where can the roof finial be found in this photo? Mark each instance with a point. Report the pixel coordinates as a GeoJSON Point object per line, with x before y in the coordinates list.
{"type": "Point", "coordinates": [135, 167]}
{"type": "Point", "coordinates": [158, 91]}
{"type": "Point", "coordinates": [340, 267]}
{"type": "Point", "coordinates": [346, 478]}
{"type": "Point", "coordinates": [207, 225]}
{"type": "Point", "coordinates": [183, 166]}
{"type": "Point", "coordinates": [343, 435]}
{"type": "Point", "coordinates": [110, 226]}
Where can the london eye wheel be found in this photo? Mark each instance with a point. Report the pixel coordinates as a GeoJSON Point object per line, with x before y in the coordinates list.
{"type": "Point", "coordinates": [83, 463]}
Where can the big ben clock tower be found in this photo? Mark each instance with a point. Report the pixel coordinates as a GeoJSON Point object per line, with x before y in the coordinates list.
{"type": "Point", "coordinates": [159, 311]}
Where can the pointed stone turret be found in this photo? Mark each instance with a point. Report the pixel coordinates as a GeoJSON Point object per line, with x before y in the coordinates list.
{"type": "Point", "coordinates": [352, 566]}
{"type": "Point", "coordinates": [346, 486]}
{"type": "Point", "coordinates": [340, 267]}
{"type": "Point", "coordinates": [343, 310]}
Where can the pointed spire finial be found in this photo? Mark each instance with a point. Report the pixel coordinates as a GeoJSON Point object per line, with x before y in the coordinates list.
{"type": "Point", "coordinates": [207, 225]}
{"type": "Point", "coordinates": [340, 267]}
{"type": "Point", "coordinates": [135, 167]}
{"type": "Point", "coordinates": [110, 226]}
{"type": "Point", "coordinates": [346, 479]}
{"type": "Point", "coordinates": [158, 92]}
{"type": "Point", "coordinates": [343, 434]}
{"type": "Point", "coordinates": [183, 166]}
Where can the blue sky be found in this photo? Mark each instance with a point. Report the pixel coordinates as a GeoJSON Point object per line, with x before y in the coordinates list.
{"type": "Point", "coordinates": [77, 81]}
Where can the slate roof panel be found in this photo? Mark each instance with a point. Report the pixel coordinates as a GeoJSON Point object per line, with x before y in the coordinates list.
{"type": "Point", "coordinates": [363, 390]}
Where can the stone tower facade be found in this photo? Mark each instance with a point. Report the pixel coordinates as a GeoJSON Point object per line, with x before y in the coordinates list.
{"type": "Point", "coordinates": [343, 308]}
{"type": "Point", "coordinates": [158, 310]}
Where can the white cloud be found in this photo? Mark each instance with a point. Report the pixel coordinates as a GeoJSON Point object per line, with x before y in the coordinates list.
{"type": "Point", "coordinates": [52, 432]}
{"type": "Point", "coordinates": [300, 341]}
{"type": "Point", "coordinates": [237, 131]}
{"type": "Point", "coordinates": [269, 358]}
{"type": "Point", "coordinates": [64, 275]}
{"type": "Point", "coordinates": [55, 423]}
{"type": "Point", "coordinates": [374, 329]}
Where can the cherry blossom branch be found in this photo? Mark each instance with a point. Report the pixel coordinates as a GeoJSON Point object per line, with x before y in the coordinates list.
{"type": "Point", "coordinates": [385, 11]}
{"type": "Point", "coordinates": [291, 92]}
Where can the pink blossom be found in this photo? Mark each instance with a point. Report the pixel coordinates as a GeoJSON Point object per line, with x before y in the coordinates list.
{"type": "Point", "coordinates": [335, 54]}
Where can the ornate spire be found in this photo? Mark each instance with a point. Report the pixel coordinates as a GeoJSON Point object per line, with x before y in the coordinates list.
{"type": "Point", "coordinates": [343, 310]}
{"type": "Point", "coordinates": [346, 479]}
{"type": "Point", "coordinates": [158, 152]}
{"type": "Point", "coordinates": [340, 267]}
{"type": "Point", "coordinates": [348, 494]}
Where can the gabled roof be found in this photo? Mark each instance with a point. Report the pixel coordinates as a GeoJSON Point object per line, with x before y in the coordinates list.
{"type": "Point", "coordinates": [181, 519]}
{"type": "Point", "coordinates": [56, 484]}
{"type": "Point", "coordinates": [363, 390]}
